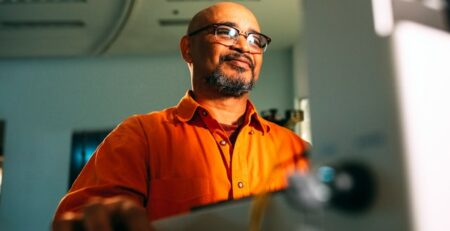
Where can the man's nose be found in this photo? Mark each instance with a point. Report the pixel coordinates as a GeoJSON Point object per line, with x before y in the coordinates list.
{"type": "Point", "coordinates": [241, 44]}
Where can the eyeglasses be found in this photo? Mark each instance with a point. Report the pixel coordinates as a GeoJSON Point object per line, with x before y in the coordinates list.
{"type": "Point", "coordinates": [228, 36]}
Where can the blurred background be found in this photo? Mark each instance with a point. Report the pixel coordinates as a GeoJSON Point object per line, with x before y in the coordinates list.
{"type": "Point", "coordinates": [71, 70]}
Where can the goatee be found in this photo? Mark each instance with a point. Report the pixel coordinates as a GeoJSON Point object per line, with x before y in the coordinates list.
{"type": "Point", "coordinates": [234, 86]}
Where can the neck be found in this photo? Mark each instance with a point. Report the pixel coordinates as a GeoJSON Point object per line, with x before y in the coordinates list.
{"type": "Point", "coordinates": [226, 110]}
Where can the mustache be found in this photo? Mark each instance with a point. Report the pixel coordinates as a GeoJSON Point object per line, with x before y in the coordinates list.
{"type": "Point", "coordinates": [233, 56]}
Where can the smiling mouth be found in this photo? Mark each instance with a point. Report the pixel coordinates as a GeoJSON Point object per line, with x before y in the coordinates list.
{"type": "Point", "coordinates": [239, 61]}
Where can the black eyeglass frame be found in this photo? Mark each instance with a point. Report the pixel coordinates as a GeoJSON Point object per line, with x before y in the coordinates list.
{"type": "Point", "coordinates": [245, 34]}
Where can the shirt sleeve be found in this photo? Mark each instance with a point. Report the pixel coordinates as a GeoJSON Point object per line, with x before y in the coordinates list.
{"type": "Point", "coordinates": [302, 158]}
{"type": "Point", "coordinates": [119, 167]}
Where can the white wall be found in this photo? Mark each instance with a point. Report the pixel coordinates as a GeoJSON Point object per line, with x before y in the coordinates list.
{"type": "Point", "coordinates": [353, 108]}
{"type": "Point", "coordinates": [300, 71]}
{"type": "Point", "coordinates": [44, 100]}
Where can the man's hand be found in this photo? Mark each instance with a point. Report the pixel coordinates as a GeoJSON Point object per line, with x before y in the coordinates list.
{"type": "Point", "coordinates": [112, 214]}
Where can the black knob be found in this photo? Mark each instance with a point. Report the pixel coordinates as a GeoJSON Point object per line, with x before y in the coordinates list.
{"type": "Point", "coordinates": [352, 186]}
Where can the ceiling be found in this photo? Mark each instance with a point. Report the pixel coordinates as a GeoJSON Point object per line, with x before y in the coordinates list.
{"type": "Point", "coordinates": [39, 28]}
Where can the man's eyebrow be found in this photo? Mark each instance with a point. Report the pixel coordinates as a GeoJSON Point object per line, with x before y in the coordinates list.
{"type": "Point", "coordinates": [232, 24]}
{"type": "Point", "coordinates": [228, 24]}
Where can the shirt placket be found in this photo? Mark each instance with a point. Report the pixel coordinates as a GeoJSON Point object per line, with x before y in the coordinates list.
{"type": "Point", "coordinates": [222, 141]}
{"type": "Point", "coordinates": [235, 160]}
{"type": "Point", "coordinates": [239, 165]}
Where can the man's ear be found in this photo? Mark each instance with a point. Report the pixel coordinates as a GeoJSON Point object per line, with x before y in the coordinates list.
{"type": "Point", "coordinates": [185, 49]}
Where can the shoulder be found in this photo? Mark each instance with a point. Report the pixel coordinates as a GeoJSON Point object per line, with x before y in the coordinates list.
{"type": "Point", "coordinates": [277, 130]}
{"type": "Point", "coordinates": [164, 115]}
{"type": "Point", "coordinates": [138, 128]}
{"type": "Point", "coordinates": [284, 135]}
{"type": "Point", "coordinates": [148, 123]}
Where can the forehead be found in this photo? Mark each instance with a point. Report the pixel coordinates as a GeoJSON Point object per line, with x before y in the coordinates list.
{"type": "Point", "coordinates": [237, 15]}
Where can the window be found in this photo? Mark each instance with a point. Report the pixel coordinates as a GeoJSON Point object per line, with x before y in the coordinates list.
{"type": "Point", "coordinates": [304, 127]}
{"type": "Point", "coordinates": [84, 144]}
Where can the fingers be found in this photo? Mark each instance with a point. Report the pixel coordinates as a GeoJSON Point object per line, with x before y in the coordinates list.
{"type": "Point", "coordinates": [136, 218]}
{"type": "Point", "coordinates": [68, 222]}
{"type": "Point", "coordinates": [96, 217]}
{"type": "Point", "coordinates": [110, 214]}
{"type": "Point", "coordinates": [127, 214]}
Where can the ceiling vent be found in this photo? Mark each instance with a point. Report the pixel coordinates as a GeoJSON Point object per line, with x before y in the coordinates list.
{"type": "Point", "coordinates": [174, 22]}
{"type": "Point", "coordinates": [60, 27]}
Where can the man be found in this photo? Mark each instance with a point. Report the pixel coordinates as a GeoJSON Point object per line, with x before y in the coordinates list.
{"type": "Point", "coordinates": [211, 147]}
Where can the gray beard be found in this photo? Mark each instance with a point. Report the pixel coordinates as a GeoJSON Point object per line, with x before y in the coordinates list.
{"type": "Point", "coordinates": [233, 86]}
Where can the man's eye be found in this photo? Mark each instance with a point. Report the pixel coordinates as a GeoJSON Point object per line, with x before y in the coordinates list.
{"type": "Point", "coordinates": [254, 39]}
{"type": "Point", "coordinates": [224, 31]}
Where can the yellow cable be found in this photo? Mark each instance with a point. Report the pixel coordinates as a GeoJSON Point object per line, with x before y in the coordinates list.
{"type": "Point", "coordinates": [258, 208]}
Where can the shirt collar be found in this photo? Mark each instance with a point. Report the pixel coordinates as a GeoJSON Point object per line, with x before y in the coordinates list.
{"type": "Point", "coordinates": [187, 107]}
{"type": "Point", "coordinates": [252, 117]}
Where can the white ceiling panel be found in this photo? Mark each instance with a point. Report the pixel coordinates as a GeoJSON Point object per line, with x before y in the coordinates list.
{"type": "Point", "coordinates": [30, 28]}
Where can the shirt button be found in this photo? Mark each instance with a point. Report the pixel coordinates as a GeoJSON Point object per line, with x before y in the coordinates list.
{"type": "Point", "coordinates": [204, 113]}
{"type": "Point", "coordinates": [251, 132]}
{"type": "Point", "coordinates": [240, 184]}
{"type": "Point", "coordinates": [223, 142]}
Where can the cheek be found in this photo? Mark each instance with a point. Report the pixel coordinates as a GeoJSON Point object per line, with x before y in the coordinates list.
{"type": "Point", "coordinates": [207, 57]}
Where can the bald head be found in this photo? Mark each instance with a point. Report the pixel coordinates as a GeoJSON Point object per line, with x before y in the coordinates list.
{"type": "Point", "coordinates": [222, 66]}
{"type": "Point", "coordinates": [217, 12]}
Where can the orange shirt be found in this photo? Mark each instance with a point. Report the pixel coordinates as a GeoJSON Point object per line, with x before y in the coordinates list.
{"type": "Point", "coordinates": [179, 158]}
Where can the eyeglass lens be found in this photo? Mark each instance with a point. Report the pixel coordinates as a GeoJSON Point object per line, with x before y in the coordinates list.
{"type": "Point", "coordinates": [229, 36]}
